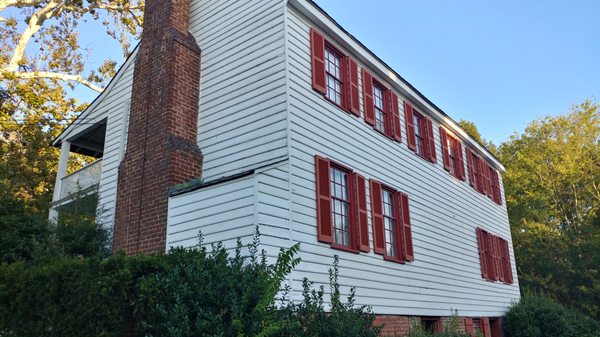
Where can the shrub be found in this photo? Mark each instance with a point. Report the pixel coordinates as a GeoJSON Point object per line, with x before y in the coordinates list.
{"type": "Point", "coordinates": [309, 317]}
{"type": "Point", "coordinates": [538, 316]}
{"type": "Point", "coordinates": [184, 293]}
{"type": "Point", "coordinates": [453, 327]}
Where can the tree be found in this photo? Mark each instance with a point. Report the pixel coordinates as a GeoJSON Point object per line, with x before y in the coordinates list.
{"type": "Point", "coordinates": [472, 130]}
{"type": "Point", "coordinates": [552, 187]}
{"type": "Point", "coordinates": [41, 62]}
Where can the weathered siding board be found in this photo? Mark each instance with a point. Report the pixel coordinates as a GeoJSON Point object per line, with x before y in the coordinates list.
{"type": "Point", "coordinates": [444, 211]}
{"type": "Point", "coordinates": [221, 212]}
{"type": "Point", "coordinates": [242, 120]}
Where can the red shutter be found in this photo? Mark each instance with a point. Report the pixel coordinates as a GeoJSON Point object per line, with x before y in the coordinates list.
{"type": "Point", "coordinates": [368, 97]}
{"type": "Point", "coordinates": [489, 256]}
{"type": "Point", "coordinates": [485, 327]}
{"type": "Point", "coordinates": [469, 326]}
{"type": "Point", "coordinates": [497, 192]}
{"type": "Point", "coordinates": [324, 225]}
{"type": "Point", "coordinates": [361, 206]}
{"type": "Point", "coordinates": [471, 168]}
{"type": "Point", "coordinates": [498, 259]}
{"type": "Point", "coordinates": [406, 228]}
{"type": "Point", "coordinates": [479, 167]}
{"type": "Point", "coordinates": [389, 116]}
{"type": "Point", "coordinates": [353, 99]}
{"type": "Point", "coordinates": [439, 326]}
{"type": "Point", "coordinates": [508, 276]}
{"type": "Point", "coordinates": [431, 139]}
{"type": "Point", "coordinates": [481, 248]}
{"type": "Point", "coordinates": [445, 154]}
{"type": "Point", "coordinates": [396, 118]}
{"type": "Point", "coordinates": [461, 161]}
{"type": "Point", "coordinates": [377, 217]}
{"type": "Point", "coordinates": [410, 128]}
{"type": "Point", "coordinates": [317, 44]}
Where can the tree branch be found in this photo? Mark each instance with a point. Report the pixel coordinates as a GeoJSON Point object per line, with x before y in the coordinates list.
{"type": "Point", "coordinates": [33, 26]}
{"type": "Point", "coordinates": [63, 77]}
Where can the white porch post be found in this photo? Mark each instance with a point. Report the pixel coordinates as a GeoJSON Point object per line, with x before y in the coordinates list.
{"type": "Point", "coordinates": [60, 174]}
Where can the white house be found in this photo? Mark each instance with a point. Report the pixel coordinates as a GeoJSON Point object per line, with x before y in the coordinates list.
{"type": "Point", "coordinates": [302, 131]}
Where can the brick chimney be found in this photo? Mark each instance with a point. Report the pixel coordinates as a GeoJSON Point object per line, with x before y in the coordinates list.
{"type": "Point", "coordinates": [161, 145]}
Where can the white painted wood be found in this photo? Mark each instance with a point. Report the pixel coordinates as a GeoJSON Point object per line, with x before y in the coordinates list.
{"type": "Point", "coordinates": [258, 113]}
{"type": "Point", "coordinates": [444, 211]}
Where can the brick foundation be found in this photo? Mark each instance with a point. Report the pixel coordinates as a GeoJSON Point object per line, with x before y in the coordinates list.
{"type": "Point", "coordinates": [161, 147]}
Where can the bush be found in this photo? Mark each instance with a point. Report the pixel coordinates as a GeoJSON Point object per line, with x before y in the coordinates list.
{"type": "Point", "coordinates": [453, 327]}
{"type": "Point", "coordinates": [309, 318]}
{"type": "Point", "coordinates": [184, 293]}
{"type": "Point", "coordinates": [538, 316]}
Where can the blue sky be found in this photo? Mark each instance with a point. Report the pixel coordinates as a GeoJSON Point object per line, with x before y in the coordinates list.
{"type": "Point", "coordinates": [499, 64]}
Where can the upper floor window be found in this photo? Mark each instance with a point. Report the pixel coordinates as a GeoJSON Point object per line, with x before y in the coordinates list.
{"type": "Point", "coordinates": [379, 104]}
{"type": "Point", "coordinates": [483, 177]}
{"type": "Point", "coordinates": [419, 133]}
{"type": "Point", "coordinates": [452, 154]}
{"type": "Point", "coordinates": [334, 74]}
{"type": "Point", "coordinates": [341, 206]}
{"type": "Point", "coordinates": [334, 70]}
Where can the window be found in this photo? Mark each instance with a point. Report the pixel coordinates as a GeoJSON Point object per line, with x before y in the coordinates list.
{"type": "Point", "coordinates": [432, 324]}
{"type": "Point", "coordinates": [483, 178]}
{"type": "Point", "coordinates": [334, 75]}
{"type": "Point", "coordinates": [392, 233]}
{"type": "Point", "coordinates": [379, 104]}
{"type": "Point", "coordinates": [341, 206]}
{"type": "Point", "coordinates": [494, 257]}
{"type": "Point", "coordinates": [390, 223]}
{"type": "Point", "coordinates": [334, 65]}
{"type": "Point", "coordinates": [419, 133]}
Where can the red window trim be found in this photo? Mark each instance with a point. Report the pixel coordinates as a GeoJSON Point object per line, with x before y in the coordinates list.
{"type": "Point", "coordinates": [428, 151]}
{"type": "Point", "coordinates": [404, 244]}
{"type": "Point", "coordinates": [344, 77]}
{"type": "Point", "coordinates": [349, 77]}
{"type": "Point", "coordinates": [481, 179]}
{"type": "Point", "coordinates": [387, 109]}
{"type": "Point", "coordinates": [494, 257]}
{"type": "Point", "coordinates": [354, 240]}
{"type": "Point", "coordinates": [399, 258]}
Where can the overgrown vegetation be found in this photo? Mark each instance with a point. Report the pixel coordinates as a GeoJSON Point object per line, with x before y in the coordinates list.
{"type": "Point", "coordinates": [538, 316]}
{"type": "Point", "coordinates": [26, 235]}
{"type": "Point", "coordinates": [184, 293]}
{"type": "Point", "coordinates": [452, 327]}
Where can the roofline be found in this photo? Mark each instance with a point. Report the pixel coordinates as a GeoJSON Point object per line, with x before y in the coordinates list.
{"type": "Point", "coordinates": [56, 142]}
{"type": "Point", "coordinates": [454, 125]}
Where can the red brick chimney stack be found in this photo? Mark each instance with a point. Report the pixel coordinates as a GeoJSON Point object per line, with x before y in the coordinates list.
{"type": "Point", "coordinates": [161, 147]}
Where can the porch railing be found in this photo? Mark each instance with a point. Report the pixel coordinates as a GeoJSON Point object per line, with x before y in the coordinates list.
{"type": "Point", "coordinates": [81, 179]}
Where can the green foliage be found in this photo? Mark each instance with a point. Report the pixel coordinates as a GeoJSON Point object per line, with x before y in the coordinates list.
{"type": "Point", "coordinates": [211, 294]}
{"type": "Point", "coordinates": [70, 297]}
{"type": "Point", "coordinates": [310, 318]}
{"type": "Point", "coordinates": [184, 293]}
{"type": "Point", "coordinates": [472, 131]}
{"type": "Point", "coordinates": [552, 189]}
{"type": "Point", "coordinates": [453, 327]}
{"type": "Point", "coordinates": [26, 235]}
{"type": "Point", "coordinates": [538, 316]}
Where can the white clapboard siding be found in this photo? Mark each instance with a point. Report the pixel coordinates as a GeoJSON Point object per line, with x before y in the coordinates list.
{"type": "Point", "coordinates": [234, 209]}
{"type": "Point", "coordinates": [115, 105]}
{"type": "Point", "coordinates": [242, 122]}
{"type": "Point", "coordinates": [221, 212]}
{"type": "Point", "coordinates": [242, 116]}
{"type": "Point", "coordinates": [444, 211]}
